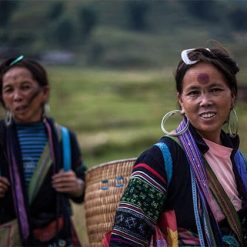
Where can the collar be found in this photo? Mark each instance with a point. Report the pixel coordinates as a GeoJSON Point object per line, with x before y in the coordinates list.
{"type": "Point", "coordinates": [227, 140]}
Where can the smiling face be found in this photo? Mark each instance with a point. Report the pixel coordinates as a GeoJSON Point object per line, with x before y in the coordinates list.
{"type": "Point", "coordinates": [206, 100]}
{"type": "Point", "coordinates": [23, 96]}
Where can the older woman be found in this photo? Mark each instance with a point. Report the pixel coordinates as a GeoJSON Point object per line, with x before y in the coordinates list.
{"type": "Point", "coordinates": [34, 187]}
{"type": "Point", "coordinates": [191, 187]}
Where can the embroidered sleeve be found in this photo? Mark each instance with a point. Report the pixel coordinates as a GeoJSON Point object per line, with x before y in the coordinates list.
{"type": "Point", "coordinates": [142, 202]}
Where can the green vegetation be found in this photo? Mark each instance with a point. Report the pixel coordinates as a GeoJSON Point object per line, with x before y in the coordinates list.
{"type": "Point", "coordinates": [116, 114]}
{"type": "Point", "coordinates": [119, 34]}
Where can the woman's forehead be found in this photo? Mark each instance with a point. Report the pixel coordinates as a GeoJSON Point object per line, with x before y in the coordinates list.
{"type": "Point", "coordinates": [16, 73]}
{"type": "Point", "coordinates": [203, 72]}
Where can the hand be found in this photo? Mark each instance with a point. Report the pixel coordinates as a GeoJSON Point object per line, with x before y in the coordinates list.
{"type": "Point", "coordinates": [4, 186]}
{"type": "Point", "coordinates": [67, 182]}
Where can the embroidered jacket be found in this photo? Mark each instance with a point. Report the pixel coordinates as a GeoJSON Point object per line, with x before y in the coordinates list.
{"type": "Point", "coordinates": [148, 195]}
{"type": "Point", "coordinates": [48, 204]}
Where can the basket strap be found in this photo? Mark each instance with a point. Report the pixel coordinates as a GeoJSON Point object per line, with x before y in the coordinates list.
{"type": "Point", "coordinates": [63, 134]}
{"type": "Point", "coordinates": [167, 159]}
{"type": "Point", "coordinates": [66, 149]}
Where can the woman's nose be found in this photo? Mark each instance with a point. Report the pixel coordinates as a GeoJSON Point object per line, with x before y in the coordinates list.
{"type": "Point", "coordinates": [205, 99]}
{"type": "Point", "coordinates": [17, 95]}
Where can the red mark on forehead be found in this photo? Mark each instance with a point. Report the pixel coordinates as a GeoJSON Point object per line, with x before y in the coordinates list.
{"type": "Point", "coordinates": [203, 78]}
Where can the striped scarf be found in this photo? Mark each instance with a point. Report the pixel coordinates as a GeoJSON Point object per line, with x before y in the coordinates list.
{"type": "Point", "coordinates": [208, 230]}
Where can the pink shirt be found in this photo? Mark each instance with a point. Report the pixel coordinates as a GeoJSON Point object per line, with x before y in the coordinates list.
{"type": "Point", "coordinates": [218, 157]}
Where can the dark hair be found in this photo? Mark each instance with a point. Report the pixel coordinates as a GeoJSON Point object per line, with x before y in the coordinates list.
{"type": "Point", "coordinates": [37, 70]}
{"type": "Point", "coordinates": [218, 57]}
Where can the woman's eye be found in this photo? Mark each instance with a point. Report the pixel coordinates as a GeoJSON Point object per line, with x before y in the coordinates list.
{"type": "Point", "coordinates": [193, 93]}
{"type": "Point", "coordinates": [216, 90]}
{"type": "Point", "coordinates": [7, 90]}
{"type": "Point", "coordinates": [26, 87]}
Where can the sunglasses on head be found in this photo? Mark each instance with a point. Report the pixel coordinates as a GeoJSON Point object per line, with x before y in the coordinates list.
{"type": "Point", "coordinates": [185, 55]}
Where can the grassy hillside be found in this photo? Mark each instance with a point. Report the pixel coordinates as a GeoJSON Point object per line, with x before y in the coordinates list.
{"type": "Point", "coordinates": [114, 112]}
{"type": "Point", "coordinates": [117, 114]}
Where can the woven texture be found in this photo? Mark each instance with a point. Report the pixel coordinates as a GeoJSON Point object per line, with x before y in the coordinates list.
{"type": "Point", "coordinates": [105, 184]}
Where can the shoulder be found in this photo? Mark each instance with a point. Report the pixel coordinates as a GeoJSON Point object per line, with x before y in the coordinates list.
{"type": "Point", "coordinates": [63, 130]}
{"type": "Point", "coordinates": [153, 154]}
{"type": "Point", "coordinates": [2, 124]}
{"type": "Point", "coordinates": [152, 161]}
{"type": "Point", "coordinates": [68, 137]}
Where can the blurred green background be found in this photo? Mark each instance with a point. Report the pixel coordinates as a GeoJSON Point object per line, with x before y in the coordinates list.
{"type": "Point", "coordinates": [111, 64]}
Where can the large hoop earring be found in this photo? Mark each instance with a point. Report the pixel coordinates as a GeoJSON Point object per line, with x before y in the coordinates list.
{"type": "Point", "coordinates": [47, 110]}
{"type": "Point", "coordinates": [233, 123]}
{"type": "Point", "coordinates": [173, 133]}
{"type": "Point", "coordinates": [8, 117]}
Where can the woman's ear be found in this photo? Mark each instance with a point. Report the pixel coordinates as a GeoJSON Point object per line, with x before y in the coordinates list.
{"type": "Point", "coordinates": [180, 102]}
{"type": "Point", "coordinates": [46, 92]}
{"type": "Point", "coordinates": [233, 101]}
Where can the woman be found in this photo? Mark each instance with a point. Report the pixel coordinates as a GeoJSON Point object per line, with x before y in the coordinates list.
{"type": "Point", "coordinates": [34, 187]}
{"type": "Point", "coordinates": [190, 189]}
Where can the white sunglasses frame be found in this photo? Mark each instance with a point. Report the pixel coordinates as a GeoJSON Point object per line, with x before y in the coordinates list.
{"type": "Point", "coordinates": [185, 56]}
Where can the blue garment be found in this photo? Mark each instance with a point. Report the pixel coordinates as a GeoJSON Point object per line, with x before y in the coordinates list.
{"type": "Point", "coordinates": [32, 138]}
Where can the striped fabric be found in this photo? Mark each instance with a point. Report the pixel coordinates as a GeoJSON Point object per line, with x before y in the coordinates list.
{"type": "Point", "coordinates": [140, 207]}
{"type": "Point", "coordinates": [32, 139]}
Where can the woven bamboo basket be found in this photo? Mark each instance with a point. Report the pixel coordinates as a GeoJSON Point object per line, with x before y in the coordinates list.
{"type": "Point", "coordinates": [105, 184]}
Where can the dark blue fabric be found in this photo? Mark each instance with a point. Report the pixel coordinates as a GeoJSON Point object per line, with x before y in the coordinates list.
{"type": "Point", "coordinates": [32, 139]}
{"type": "Point", "coordinates": [241, 166]}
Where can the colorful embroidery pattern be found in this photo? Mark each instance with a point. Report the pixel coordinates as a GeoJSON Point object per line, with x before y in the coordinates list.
{"type": "Point", "coordinates": [139, 209]}
{"type": "Point", "coordinates": [145, 196]}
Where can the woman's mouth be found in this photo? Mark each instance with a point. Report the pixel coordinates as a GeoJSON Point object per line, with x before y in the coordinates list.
{"type": "Point", "coordinates": [20, 109]}
{"type": "Point", "coordinates": [207, 115]}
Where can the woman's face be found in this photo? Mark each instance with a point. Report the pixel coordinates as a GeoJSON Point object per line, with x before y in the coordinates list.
{"type": "Point", "coordinates": [23, 96]}
{"type": "Point", "coordinates": [206, 100]}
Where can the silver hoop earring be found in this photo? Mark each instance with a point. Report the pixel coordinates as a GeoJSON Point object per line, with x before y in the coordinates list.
{"type": "Point", "coordinates": [233, 123]}
{"type": "Point", "coordinates": [173, 133]}
{"type": "Point", "coordinates": [8, 118]}
{"type": "Point", "coordinates": [47, 110]}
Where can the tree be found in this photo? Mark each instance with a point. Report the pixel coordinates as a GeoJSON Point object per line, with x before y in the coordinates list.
{"type": "Point", "coordinates": [238, 18]}
{"type": "Point", "coordinates": [56, 10]}
{"type": "Point", "coordinates": [7, 8]}
{"type": "Point", "coordinates": [137, 11]}
{"type": "Point", "coordinates": [202, 9]}
{"type": "Point", "coordinates": [87, 21]}
{"type": "Point", "coordinates": [64, 32]}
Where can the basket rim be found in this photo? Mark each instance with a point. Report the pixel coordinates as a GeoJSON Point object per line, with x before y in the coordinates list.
{"type": "Point", "coordinates": [110, 163]}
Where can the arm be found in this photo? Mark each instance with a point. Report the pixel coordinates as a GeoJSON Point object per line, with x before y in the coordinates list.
{"type": "Point", "coordinates": [72, 182]}
{"type": "Point", "coordinates": [142, 201]}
